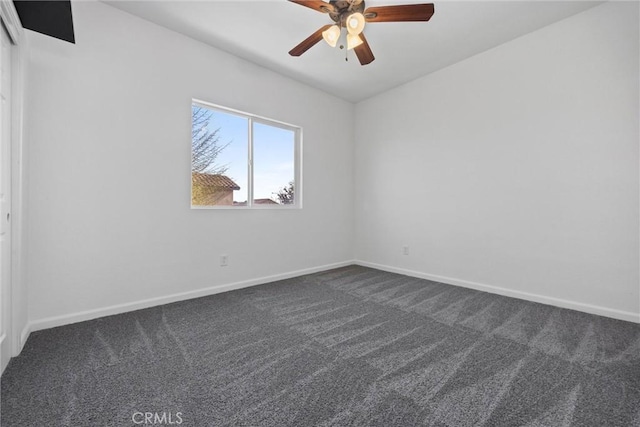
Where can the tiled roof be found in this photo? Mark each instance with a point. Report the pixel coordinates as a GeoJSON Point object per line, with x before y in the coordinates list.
{"type": "Point", "coordinates": [257, 202]}
{"type": "Point", "coordinates": [264, 202]}
{"type": "Point", "coordinates": [211, 180]}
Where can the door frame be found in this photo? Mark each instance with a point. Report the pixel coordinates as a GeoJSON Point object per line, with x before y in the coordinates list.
{"type": "Point", "coordinates": [17, 330]}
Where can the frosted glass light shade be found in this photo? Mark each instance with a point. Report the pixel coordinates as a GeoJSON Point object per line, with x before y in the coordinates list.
{"type": "Point", "coordinates": [355, 23]}
{"type": "Point", "coordinates": [331, 35]}
{"type": "Point", "coordinates": [353, 40]}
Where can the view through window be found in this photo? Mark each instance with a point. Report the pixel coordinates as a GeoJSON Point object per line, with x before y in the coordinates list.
{"type": "Point", "coordinates": [240, 160]}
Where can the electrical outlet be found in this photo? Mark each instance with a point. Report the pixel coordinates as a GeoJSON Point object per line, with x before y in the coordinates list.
{"type": "Point", "coordinates": [405, 250]}
{"type": "Point", "coordinates": [224, 260]}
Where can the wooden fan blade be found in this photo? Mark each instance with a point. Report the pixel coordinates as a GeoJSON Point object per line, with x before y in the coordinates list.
{"type": "Point", "coordinates": [318, 5]}
{"type": "Point", "coordinates": [309, 42]}
{"type": "Point", "coordinates": [363, 52]}
{"type": "Point", "coordinates": [400, 13]}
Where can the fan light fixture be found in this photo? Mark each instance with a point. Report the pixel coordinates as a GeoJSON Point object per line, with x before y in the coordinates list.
{"type": "Point", "coordinates": [355, 23]}
{"type": "Point", "coordinates": [331, 35]}
{"type": "Point", "coordinates": [353, 40]}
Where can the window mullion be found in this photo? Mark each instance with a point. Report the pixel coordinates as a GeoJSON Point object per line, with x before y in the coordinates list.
{"type": "Point", "coordinates": [250, 168]}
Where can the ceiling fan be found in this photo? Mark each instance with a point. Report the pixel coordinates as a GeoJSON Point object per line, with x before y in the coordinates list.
{"type": "Point", "coordinates": [352, 15]}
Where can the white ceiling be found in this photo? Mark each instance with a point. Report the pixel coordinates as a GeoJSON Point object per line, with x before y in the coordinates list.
{"type": "Point", "coordinates": [264, 31]}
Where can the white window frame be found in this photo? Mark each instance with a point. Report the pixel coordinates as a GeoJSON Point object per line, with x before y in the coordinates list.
{"type": "Point", "coordinates": [297, 173]}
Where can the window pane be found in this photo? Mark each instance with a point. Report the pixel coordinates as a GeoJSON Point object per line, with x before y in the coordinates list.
{"type": "Point", "coordinates": [219, 153]}
{"type": "Point", "coordinates": [273, 164]}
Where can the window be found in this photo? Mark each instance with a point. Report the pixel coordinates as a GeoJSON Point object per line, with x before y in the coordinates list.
{"type": "Point", "coordinates": [239, 160]}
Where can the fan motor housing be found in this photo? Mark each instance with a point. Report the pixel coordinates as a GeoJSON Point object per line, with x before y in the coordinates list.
{"type": "Point", "coordinates": [345, 8]}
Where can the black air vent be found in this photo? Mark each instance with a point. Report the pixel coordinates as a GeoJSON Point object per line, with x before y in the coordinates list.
{"type": "Point", "coordinates": [52, 18]}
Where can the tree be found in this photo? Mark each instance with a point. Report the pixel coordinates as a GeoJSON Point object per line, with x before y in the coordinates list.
{"type": "Point", "coordinates": [205, 148]}
{"type": "Point", "coordinates": [285, 195]}
{"type": "Point", "coordinates": [205, 143]}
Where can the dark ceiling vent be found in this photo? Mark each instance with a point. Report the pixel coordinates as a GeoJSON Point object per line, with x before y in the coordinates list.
{"type": "Point", "coordinates": [52, 18]}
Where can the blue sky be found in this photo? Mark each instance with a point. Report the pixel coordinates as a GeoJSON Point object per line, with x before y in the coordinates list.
{"type": "Point", "coordinates": [273, 154]}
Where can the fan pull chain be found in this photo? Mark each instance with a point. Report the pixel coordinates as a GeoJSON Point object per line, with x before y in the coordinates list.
{"type": "Point", "coordinates": [346, 51]}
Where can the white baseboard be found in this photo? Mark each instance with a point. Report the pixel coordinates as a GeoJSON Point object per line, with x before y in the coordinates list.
{"type": "Point", "coordinates": [66, 319]}
{"type": "Point", "coordinates": [14, 349]}
{"type": "Point", "coordinates": [52, 322]}
{"type": "Point", "coordinates": [4, 361]}
{"type": "Point", "coordinates": [558, 302]}
{"type": "Point", "coordinates": [24, 335]}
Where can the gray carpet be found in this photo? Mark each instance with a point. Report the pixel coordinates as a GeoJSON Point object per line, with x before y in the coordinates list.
{"type": "Point", "coordinates": [347, 347]}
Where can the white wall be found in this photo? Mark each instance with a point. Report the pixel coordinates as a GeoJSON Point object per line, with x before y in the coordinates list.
{"type": "Point", "coordinates": [515, 169]}
{"type": "Point", "coordinates": [109, 151]}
